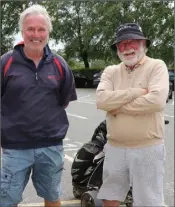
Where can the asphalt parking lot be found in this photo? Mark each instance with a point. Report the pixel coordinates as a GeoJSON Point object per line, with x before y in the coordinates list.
{"type": "Point", "coordinates": [84, 118]}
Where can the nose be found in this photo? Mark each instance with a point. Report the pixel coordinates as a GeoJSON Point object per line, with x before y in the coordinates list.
{"type": "Point", "coordinates": [35, 33]}
{"type": "Point", "coordinates": [127, 46]}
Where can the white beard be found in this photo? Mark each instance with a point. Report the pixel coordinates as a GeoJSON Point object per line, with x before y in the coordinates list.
{"type": "Point", "coordinates": [135, 58]}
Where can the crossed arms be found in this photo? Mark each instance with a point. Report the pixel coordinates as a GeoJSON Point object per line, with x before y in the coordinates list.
{"type": "Point", "coordinates": [134, 101]}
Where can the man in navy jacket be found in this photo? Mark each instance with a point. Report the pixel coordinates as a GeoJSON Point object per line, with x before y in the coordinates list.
{"type": "Point", "coordinates": [36, 86]}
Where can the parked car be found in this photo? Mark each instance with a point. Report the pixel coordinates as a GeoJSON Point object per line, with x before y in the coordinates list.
{"type": "Point", "coordinates": [171, 77]}
{"type": "Point", "coordinates": [96, 78]}
{"type": "Point", "coordinates": [80, 80]}
{"type": "Point", "coordinates": [170, 94]}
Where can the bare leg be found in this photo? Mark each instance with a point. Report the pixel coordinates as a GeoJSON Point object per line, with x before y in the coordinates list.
{"type": "Point", "coordinates": [107, 203]}
{"type": "Point", "coordinates": [52, 204]}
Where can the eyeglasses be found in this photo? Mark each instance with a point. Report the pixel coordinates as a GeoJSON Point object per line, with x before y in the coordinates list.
{"type": "Point", "coordinates": [128, 44]}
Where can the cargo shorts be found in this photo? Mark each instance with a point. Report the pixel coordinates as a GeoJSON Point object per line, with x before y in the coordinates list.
{"type": "Point", "coordinates": [45, 166]}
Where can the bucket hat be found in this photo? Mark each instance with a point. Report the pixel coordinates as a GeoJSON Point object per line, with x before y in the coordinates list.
{"type": "Point", "coordinates": [129, 31]}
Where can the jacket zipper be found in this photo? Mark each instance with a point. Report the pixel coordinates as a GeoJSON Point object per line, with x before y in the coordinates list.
{"type": "Point", "coordinates": [36, 76]}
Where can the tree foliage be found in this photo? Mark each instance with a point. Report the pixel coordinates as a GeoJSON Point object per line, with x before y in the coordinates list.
{"type": "Point", "coordinates": [10, 11]}
{"type": "Point", "coordinates": [87, 28]}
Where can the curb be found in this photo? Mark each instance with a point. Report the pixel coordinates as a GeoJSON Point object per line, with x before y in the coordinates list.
{"type": "Point", "coordinates": [63, 204]}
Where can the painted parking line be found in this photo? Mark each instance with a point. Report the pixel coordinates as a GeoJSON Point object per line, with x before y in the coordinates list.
{"type": "Point", "coordinates": [77, 116]}
{"type": "Point", "coordinates": [75, 146]}
{"type": "Point", "coordinates": [80, 143]}
{"type": "Point", "coordinates": [82, 97]}
{"type": "Point", "coordinates": [87, 102]}
{"type": "Point", "coordinates": [68, 158]}
{"type": "Point", "coordinates": [169, 115]}
{"type": "Point", "coordinates": [63, 203]}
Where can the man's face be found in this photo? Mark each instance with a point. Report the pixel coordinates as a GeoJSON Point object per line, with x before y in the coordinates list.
{"type": "Point", "coordinates": [35, 32]}
{"type": "Point", "coordinates": [131, 51]}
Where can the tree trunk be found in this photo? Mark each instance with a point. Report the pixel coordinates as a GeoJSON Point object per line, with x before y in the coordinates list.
{"type": "Point", "coordinates": [83, 53]}
{"type": "Point", "coordinates": [84, 57]}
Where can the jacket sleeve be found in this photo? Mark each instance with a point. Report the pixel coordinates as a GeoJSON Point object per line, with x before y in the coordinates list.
{"type": "Point", "coordinates": [107, 98]}
{"type": "Point", "coordinates": [67, 87]}
{"type": "Point", "coordinates": [155, 100]}
{"type": "Point", "coordinates": [2, 77]}
{"type": "Point", "coordinates": [4, 60]}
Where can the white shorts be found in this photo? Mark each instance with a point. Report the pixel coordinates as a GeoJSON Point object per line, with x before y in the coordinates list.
{"type": "Point", "coordinates": [143, 169]}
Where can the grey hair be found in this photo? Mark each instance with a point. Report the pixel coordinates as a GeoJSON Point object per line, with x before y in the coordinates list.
{"type": "Point", "coordinates": [146, 50]}
{"type": "Point", "coordinates": [35, 9]}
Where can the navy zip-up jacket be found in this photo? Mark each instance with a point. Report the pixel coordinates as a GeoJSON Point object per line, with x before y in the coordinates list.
{"type": "Point", "coordinates": [33, 100]}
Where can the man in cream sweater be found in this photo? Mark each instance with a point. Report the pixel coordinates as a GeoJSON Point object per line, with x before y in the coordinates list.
{"type": "Point", "coordinates": [133, 94]}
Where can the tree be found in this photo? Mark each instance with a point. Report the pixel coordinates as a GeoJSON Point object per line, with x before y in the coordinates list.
{"type": "Point", "coordinates": [158, 25]}
{"type": "Point", "coordinates": [10, 11]}
{"type": "Point", "coordinates": [87, 28]}
{"type": "Point", "coordinates": [74, 24]}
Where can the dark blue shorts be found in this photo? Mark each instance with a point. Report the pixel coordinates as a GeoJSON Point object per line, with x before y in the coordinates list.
{"type": "Point", "coordinates": [45, 166]}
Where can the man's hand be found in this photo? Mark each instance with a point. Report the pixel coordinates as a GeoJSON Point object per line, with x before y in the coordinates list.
{"type": "Point", "coordinates": [118, 111]}
{"type": "Point", "coordinates": [145, 91]}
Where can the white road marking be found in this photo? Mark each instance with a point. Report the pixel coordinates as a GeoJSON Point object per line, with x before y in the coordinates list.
{"type": "Point", "coordinates": [77, 116]}
{"type": "Point", "coordinates": [69, 158]}
{"type": "Point", "coordinates": [84, 97]}
{"type": "Point", "coordinates": [70, 145]}
{"type": "Point", "coordinates": [86, 102]}
{"type": "Point", "coordinates": [79, 143]}
{"type": "Point", "coordinates": [169, 115]}
{"type": "Point", "coordinates": [66, 139]}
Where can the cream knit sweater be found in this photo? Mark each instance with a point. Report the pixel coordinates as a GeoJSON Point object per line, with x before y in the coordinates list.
{"type": "Point", "coordinates": [141, 121]}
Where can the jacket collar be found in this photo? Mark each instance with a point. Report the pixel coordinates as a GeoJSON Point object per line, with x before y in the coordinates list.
{"type": "Point", "coordinates": [47, 52]}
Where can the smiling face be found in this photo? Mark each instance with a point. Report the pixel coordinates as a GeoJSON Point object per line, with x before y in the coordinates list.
{"type": "Point", "coordinates": [35, 33]}
{"type": "Point", "coordinates": [131, 51]}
